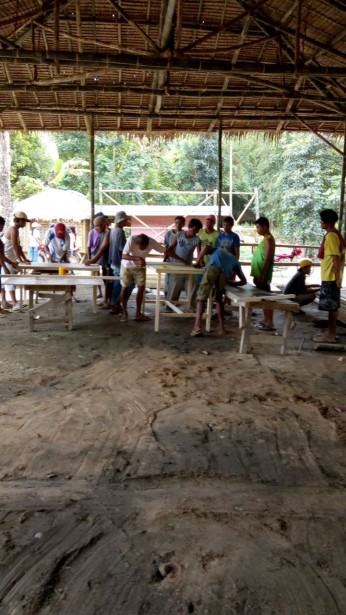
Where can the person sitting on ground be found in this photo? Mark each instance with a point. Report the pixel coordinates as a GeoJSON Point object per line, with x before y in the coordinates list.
{"type": "Point", "coordinates": [332, 255]}
{"type": "Point", "coordinates": [219, 271]}
{"type": "Point", "coordinates": [182, 250]}
{"type": "Point", "coordinates": [304, 294]}
{"type": "Point", "coordinates": [14, 253]}
{"type": "Point", "coordinates": [179, 224]}
{"type": "Point", "coordinates": [57, 243]}
{"type": "Point", "coordinates": [117, 241]}
{"type": "Point", "coordinates": [262, 265]}
{"type": "Point", "coordinates": [102, 258]}
{"type": "Point", "coordinates": [228, 240]}
{"type": "Point", "coordinates": [133, 269]}
{"type": "Point", "coordinates": [4, 262]}
{"type": "Point", "coordinates": [208, 236]}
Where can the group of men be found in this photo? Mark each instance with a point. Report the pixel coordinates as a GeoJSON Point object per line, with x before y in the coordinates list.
{"type": "Point", "coordinates": [217, 251]}
{"type": "Point", "coordinates": [56, 244]}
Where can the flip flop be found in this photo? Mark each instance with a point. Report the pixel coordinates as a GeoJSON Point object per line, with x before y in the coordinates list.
{"type": "Point", "coordinates": [143, 318]}
{"type": "Point", "coordinates": [124, 319]}
{"type": "Point", "coordinates": [196, 333]}
{"type": "Point", "coordinates": [323, 339]}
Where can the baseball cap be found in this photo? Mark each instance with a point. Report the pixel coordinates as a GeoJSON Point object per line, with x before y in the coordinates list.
{"type": "Point", "coordinates": [120, 216]}
{"type": "Point", "coordinates": [305, 262]}
{"type": "Point", "coordinates": [60, 230]}
{"type": "Point", "coordinates": [21, 215]}
{"type": "Point", "coordinates": [211, 217]}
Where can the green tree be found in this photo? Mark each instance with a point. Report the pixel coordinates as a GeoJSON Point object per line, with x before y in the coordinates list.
{"type": "Point", "coordinates": [31, 164]}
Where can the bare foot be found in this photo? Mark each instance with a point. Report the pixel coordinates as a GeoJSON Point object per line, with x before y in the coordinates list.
{"type": "Point", "coordinates": [104, 306]}
{"type": "Point", "coordinates": [142, 318]}
{"type": "Point", "coordinates": [221, 331]}
{"type": "Point", "coordinates": [125, 317]}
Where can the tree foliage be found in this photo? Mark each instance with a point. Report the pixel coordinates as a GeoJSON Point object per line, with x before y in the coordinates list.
{"type": "Point", "coordinates": [31, 164]}
{"type": "Point", "coordinates": [296, 175]}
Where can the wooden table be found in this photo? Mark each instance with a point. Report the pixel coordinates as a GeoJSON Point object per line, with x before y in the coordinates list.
{"type": "Point", "coordinates": [94, 270]}
{"type": "Point", "coordinates": [56, 289]}
{"type": "Point", "coordinates": [177, 311]}
{"type": "Point", "coordinates": [248, 297]}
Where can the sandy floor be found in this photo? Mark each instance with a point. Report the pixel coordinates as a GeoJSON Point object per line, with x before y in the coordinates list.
{"type": "Point", "coordinates": [158, 474]}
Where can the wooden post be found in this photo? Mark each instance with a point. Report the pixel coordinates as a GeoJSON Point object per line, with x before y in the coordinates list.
{"type": "Point", "coordinates": [219, 200]}
{"type": "Point", "coordinates": [342, 211]}
{"type": "Point", "coordinates": [231, 176]}
{"type": "Point", "coordinates": [92, 168]}
{"type": "Point", "coordinates": [85, 232]}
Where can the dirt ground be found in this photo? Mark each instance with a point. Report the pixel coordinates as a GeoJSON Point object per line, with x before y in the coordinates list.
{"type": "Point", "coordinates": [148, 473]}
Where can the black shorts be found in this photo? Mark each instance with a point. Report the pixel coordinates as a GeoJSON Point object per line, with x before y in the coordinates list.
{"type": "Point", "coordinates": [264, 286]}
{"type": "Point", "coordinates": [107, 270]}
{"type": "Point", "coordinates": [329, 297]}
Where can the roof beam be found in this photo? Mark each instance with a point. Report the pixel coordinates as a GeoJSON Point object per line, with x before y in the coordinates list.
{"type": "Point", "coordinates": [106, 61]}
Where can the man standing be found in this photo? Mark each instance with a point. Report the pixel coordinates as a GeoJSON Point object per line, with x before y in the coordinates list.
{"type": "Point", "coordinates": [102, 257]}
{"type": "Point", "coordinates": [13, 252]}
{"type": "Point", "coordinates": [4, 262]}
{"type": "Point", "coordinates": [181, 251]}
{"type": "Point", "coordinates": [262, 266]}
{"type": "Point", "coordinates": [208, 235]}
{"type": "Point", "coordinates": [332, 255]}
{"type": "Point", "coordinates": [179, 224]}
{"type": "Point", "coordinates": [34, 242]}
{"type": "Point", "coordinates": [117, 241]}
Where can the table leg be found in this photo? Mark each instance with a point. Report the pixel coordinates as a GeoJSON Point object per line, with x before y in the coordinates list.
{"type": "Point", "coordinates": [287, 325]}
{"type": "Point", "coordinates": [68, 310]}
{"type": "Point", "coordinates": [95, 299]}
{"type": "Point", "coordinates": [245, 334]}
{"type": "Point", "coordinates": [157, 303]}
{"type": "Point", "coordinates": [190, 279]}
{"type": "Point", "coordinates": [241, 316]}
{"type": "Point", "coordinates": [31, 305]}
{"type": "Point", "coordinates": [209, 311]}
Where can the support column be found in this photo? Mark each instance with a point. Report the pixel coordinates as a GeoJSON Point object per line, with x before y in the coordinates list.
{"type": "Point", "coordinates": [219, 199]}
{"type": "Point", "coordinates": [230, 176]}
{"type": "Point", "coordinates": [92, 167]}
{"type": "Point", "coordinates": [342, 211]}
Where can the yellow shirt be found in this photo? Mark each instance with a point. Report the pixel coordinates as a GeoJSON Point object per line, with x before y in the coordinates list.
{"type": "Point", "coordinates": [208, 239]}
{"type": "Point", "coordinates": [331, 248]}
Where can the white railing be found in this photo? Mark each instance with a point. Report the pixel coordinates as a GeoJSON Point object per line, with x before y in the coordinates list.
{"type": "Point", "coordinates": [115, 196]}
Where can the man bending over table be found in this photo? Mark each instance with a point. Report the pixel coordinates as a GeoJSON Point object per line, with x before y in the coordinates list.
{"type": "Point", "coordinates": [132, 271]}
{"type": "Point", "coordinates": [221, 267]}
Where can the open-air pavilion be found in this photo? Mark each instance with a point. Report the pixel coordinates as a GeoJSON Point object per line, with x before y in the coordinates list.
{"type": "Point", "coordinates": [148, 473]}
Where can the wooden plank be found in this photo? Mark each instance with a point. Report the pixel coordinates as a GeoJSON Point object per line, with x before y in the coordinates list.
{"type": "Point", "coordinates": [249, 293]}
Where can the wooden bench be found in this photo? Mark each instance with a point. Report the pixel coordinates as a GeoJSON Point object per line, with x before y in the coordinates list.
{"type": "Point", "coordinates": [248, 297]}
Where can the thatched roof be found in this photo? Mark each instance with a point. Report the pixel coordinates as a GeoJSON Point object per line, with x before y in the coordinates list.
{"type": "Point", "coordinates": [55, 204]}
{"type": "Point", "coordinates": [162, 66]}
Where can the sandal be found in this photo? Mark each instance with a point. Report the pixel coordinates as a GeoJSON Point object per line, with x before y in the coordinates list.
{"type": "Point", "coordinates": [196, 333]}
{"type": "Point", "coordinates": [321, 338]}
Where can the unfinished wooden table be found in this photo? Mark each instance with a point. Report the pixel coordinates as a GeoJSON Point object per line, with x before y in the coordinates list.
{"type": "Point", "coordinates": [177, 310]}
{"type": "Point", "coordinates": [56, 289]}
{"type": "Point", "coordinates": [248, 297]}
{"type": "Point", "coordinates": [47, 268]}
